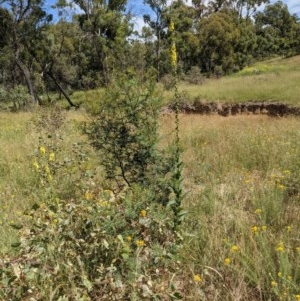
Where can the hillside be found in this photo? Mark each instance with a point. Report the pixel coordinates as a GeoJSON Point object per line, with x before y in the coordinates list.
{"type": "Point", "coordinates": [275, 80]}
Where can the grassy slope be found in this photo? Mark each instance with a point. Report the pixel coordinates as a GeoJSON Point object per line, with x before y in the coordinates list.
{"type": "Point", "coordinates": [274, 80]}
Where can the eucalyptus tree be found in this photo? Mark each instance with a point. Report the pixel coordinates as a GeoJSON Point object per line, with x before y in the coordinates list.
{"type": "Point", "coordinates": [277, 30]}
{"type": "Point", "coordinates": [218, 36]}
{"type": "Point", "coordinates": [105, 29]}
{"type": "Point", "coordinates": [27, 28]}
{"type": "Point", "coordinates": [244, 8]}
{"type": "Point", "coordinates": [6, 55]}
{"type": "Point", "coordinates": [158, 24]}
{"type": "Point", "coordinates": [185, 18]}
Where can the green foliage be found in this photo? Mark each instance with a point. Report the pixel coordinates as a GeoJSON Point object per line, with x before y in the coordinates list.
{"type": "Point", "coordinates": [125, 133]}
{"type": "Point", "coordinates": [15, 99]}
{"type": "Point", "coordinates": [88, 243]}
{"type": "Point", "coordinates": [96, 246]}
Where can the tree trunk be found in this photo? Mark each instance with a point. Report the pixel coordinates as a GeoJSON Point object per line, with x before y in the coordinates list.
{"type": "Point", "coordinates": [28, 80]}
{"type": "Point", "coordinates": [61, 89]}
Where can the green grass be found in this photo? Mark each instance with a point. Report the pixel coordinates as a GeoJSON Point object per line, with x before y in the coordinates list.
{"type": "Point", "coordinates": [274, 80]}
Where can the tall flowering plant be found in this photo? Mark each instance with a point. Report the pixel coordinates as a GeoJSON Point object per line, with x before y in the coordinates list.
{"type": "Point", "coordinates": [176, 182]}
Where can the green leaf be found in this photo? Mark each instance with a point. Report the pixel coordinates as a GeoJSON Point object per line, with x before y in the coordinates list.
{"type": "Point", "coordinates": [176, 296]}
{"type": "Point", "coordinates": [125, 256]}
{"type": "Point", "coordinates": [16, 244]}
{"type": "Point", "coordinates": [16, 226]}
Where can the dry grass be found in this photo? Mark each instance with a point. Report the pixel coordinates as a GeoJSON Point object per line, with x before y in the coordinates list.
{"type": "Point", "coordinates": [241, 175]}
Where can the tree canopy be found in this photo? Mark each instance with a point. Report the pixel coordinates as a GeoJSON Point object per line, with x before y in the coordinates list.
{"type": "Point", "coordinates": [97, 41]}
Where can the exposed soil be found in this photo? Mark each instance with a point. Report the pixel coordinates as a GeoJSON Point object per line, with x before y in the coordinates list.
{"type": "Point", "coordinates": [273, 109]}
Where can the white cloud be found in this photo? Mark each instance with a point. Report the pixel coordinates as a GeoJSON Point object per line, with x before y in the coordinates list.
{"type": "Point", "coordinates": [139, 23]}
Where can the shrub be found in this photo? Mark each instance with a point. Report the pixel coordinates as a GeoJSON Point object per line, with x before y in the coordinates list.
{"type": "Point", "coordinates": [125, 134]}
{"type": "Point", "coordinates": [194, 76]}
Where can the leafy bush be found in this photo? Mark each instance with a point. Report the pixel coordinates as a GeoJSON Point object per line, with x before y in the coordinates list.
{"type": "Point", "coordinates": [91, 248]}
{"type": "Point", "coordinates": [88, 243]}
{"type": "Point", "coordinates": [17, 98]}
{"type": "Point", "coordinates": [125, 133]}
{"type": "Point", "coordinates": [194, 76]}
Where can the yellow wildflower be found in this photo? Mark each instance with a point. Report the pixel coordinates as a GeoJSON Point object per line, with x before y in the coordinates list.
{"type": "Point", "coordinates": [227, 261]}
{"type": "Point", "coordinates": [88, 195]}
{"type": "Point", "coordinates": [264, 228]}
{"type": "Point", "coordinates": [51, 156]}
{"type": "Point", "coordinates": [47, 169]}
{"type": "Point", "coordinates": [234, 248]}
{"type": "Point", "coordinates": [280, 247]}
{"type": "Point", "coordinates": [171, 26]}
{"type": "Point", "coordinates": [143, 213]}
{"type": "Point", "coordinates": [297, 297]}
{"type": "Point", "coordinates": [140, 243]}
{"type": "Point", "coordinates": [197, 278]}
{"type": "Point", "coordinates": [258, 211]}
{"type": "Point", "coordinates": [289, 228]}
{"type": "Point", "coordinates": [273, 283]}
{"type": "Point", "coordinates": [281, 186]}
{"type": "Point", "coordinates": [279, 274]}
{"type": "Point", "coordinates": [173, 55]}
{"type": "Point", "coordinates": [36, 165]}
{"type": "Point", "coordinates": [255, 229]}
{"type": "Point", "coordinates": [43, 150]}
{"type": "Point", "coordinates": [129, 238]}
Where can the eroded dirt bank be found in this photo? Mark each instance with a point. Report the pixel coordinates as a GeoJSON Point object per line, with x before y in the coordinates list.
{"type": "Point", "coordinates": [274, 109]}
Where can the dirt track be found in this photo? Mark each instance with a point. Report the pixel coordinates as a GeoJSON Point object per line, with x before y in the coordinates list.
{"type": "Point", "coordinates": [273, 109]}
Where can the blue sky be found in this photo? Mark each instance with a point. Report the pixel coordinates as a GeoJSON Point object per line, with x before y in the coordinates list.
{"type": "Point", "coordinates": [138, 9]}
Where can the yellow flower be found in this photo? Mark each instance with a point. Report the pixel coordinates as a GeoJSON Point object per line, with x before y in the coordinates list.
{"type": "Point", "coordinates": [258, 211]}
{"type": "Point", "coordinates": [171, 26]}
{"type": "Point", "coordinates": [197, 278]}
{"type": "Point", "coordinates": [140, 243]}
{"type": "Point", "coordinates": [36, 165]}
{"type": "Point", "coordinates": [88, 195]}
{"type": "Point", "coordinates": [234, 248]}
{"type": "Point", "coordinates": [47, 169]}
{"type": "Point", "coordinates": [43, 150]}
{"type": "Point", "coordinates": [289, 228]}
{"type": "Point", "coordinates": [143, 213]}
{"type": "Point", "coordinates": [264, 228]}
{"type": "Point", "coordinates": [280, 247]}
{"type": "Point", "coordinates": [129, 238]}
{"type": "Point", "coordinates": [173, 55]}
{"type": "Point", "coordinates": [273, 283]}
{"type": "Point", "coordinates": [104, 203]}
{"type": "Point", "coordinates": [51, 156]}
{"type": "Point", "coordinates": [279, 274]}
{"type": "Point", "coordinates": [255, 229]}
{"type": "Point", "coordinates": [227, 261]}
{"type": "Point", "coordinates": [281, 187]}
{"type": "Point", "coordinates": [297, 297]}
